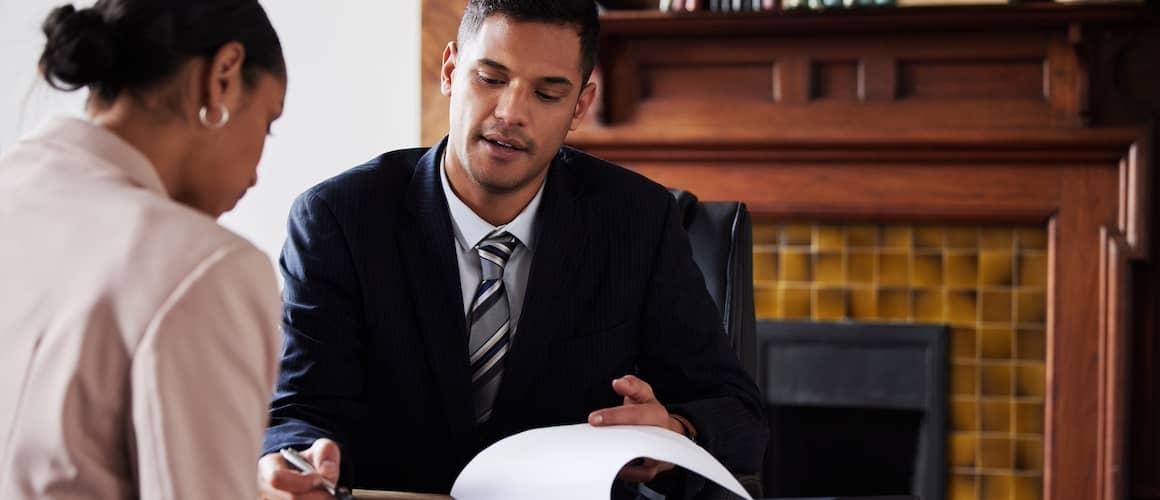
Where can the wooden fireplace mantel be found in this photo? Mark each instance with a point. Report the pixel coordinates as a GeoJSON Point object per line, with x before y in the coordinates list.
{"type": "Point", "coordinates": [1089, 189]}
{"type": "Point", "coordinates": [981, 114]}
{"type": "Point", "coordinates": [991, 114]}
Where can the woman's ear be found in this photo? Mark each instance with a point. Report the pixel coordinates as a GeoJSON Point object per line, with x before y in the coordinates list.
{"type": "Point", "coordinates": [223, 79]}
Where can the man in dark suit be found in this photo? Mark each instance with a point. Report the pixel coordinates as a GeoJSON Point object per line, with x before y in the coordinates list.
{"type": "Point", "coordinates": [437, 300]}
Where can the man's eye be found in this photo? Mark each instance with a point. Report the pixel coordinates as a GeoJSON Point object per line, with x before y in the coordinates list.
{"type": "Point", "coordinates": [548, 97]}
{"type": "Point", "coordinates": [489, 81]}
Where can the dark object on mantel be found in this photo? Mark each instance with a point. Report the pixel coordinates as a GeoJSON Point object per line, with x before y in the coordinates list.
{"type": "Point", "coordinates": [854, 408]}
{"type": "Point", "coordinates": [629, 4]}
{"type": "Point", "coordinates": [888, 497]}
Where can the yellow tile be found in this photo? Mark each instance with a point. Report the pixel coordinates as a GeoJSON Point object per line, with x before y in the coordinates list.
{"type": "Point", "coordinates": [995, 306]}
{"type": "Point", "coordinates": [828, 268]}
{"type": "Point", "coordinates": [928, 306]}
{"type": "Point", "coordinates": [962, 487]}
{"type": "Point", "coordinates": [996, 486]}
{"type": "Point", "coordinates": [996, 453]}
{"type": "Point", "coordinates": [1030, 344]}
{"type": "Point", "coordinates": [860, 267]}
{"type": "Point", "coordinates": [963, 343]}
{"type": "Point", "coordinates": [999, 238]}
{"type": "Point", "coordinates": [795, 303]}
{"type": "Point", "coordinates": [1030, 380]}
{"type": "Point", "coordinates": [764, 265]}
{"type": "Point", "coordinates": [893, 304]}
{"type": "Point", "coordinates": [995, 416]}
{"type": "Point", "coordinates": [961, 308]}
{"type": "Point", "coordinates": [862, 236]}
{"type": "Point", "coordinates": [962, 449]}
{"type": "Point", "coordinates": [1029, 454]}
{"type": "Point", "coordinates": [765, 302]}
{"type": "Point", "coordinates": [797, 234]}
{"type": "Point", "coordinates": [1031, 307]}
{"type": "Point", "coordinates": [965, 238]}
{"type": "Point", "coordinates": [926, 270]}
{"type": "Point", "coordinates": [995, 268]}
{"type": "Point", "coordinates": [828, 238]}
{"type": "Point", "coordinates": [1032, 238]}
{"type": "Point", "coordinates": [996, 343]}
{"type": "Point", "coordinates": [964, 416]}
{"type": "Point", "coordinates": [1029, 417]}
{"type": "Point", "coordinates": [764, 233]}
{"type": "Point", "coordinates": [893, 269]}
{"type": "Point", "coordinates": [794, 266]}
{"type": "Point", "coordinates": [829, 304]}
{"type": "Point", "coordinates": [896, 237]}
{"type": "Point", "coordinates": [930, 237]}
{"type": "Point", "coordinates": [961, 269]}
{"type": "Point", "coordinates": [1033, 270]}
{"type": "Point", "coordinates": [995, 379]}
{"type": "Point", "coordinates": [863, 304]}
{"type": "Point", "coordinates": [1028, 488]}
{"type": "Point", "coordinates": [964, 379]}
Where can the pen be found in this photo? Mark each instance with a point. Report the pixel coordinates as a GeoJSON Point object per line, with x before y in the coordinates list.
{"type": "Point", "coordinates": [302, 465]}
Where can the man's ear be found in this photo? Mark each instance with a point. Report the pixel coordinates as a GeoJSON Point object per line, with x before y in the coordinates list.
{"type": "Point", "coordinates": [450, 55]}
{"type": "Point", "coordinates": [583, 104]}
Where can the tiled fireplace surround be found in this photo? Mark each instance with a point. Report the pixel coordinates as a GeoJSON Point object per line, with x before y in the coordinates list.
{"type": "Point", "coordinates": [988, 283]}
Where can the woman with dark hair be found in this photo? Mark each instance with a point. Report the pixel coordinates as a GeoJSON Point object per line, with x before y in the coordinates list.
{"type": "Point", "coordinates": [139, 336]}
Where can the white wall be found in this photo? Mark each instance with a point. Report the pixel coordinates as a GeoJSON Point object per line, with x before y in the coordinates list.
{"type": "Point", "coordinates": [353, 93]}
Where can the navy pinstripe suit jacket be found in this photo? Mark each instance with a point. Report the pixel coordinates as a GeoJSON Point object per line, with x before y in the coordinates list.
{"type": "Point", "coordinates": [375, 350]}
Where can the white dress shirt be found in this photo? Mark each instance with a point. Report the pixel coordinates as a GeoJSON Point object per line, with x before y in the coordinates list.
{"type": "Point", "coordinates": [140, 339]}
{"type": "Point", "coordinates": [470, 229]}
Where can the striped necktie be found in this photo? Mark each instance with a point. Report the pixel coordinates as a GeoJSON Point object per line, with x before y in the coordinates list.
{"type": "Point", "coordinates": [489, 321]}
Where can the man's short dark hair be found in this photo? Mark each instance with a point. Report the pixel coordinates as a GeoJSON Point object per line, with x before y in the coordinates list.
{"type": "Point", "coordinates": [579, 13]}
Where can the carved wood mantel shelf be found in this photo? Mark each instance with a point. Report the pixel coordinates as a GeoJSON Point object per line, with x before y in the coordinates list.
{"type": "Point", "coordinates": [968, 114]}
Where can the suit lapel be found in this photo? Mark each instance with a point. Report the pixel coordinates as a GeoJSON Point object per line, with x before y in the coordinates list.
{"type": "Point", "coordinates": [549, 287]}
{"type": "Point", "coordinates": [432, 268]}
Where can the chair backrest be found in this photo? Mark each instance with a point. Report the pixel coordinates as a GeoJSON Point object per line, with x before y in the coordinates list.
{"type": "Point", "coordinates": [721, 234]}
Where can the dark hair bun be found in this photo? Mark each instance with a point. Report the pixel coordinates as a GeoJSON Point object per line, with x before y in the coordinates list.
{"type": "Point", "coordinates": [80, 50]}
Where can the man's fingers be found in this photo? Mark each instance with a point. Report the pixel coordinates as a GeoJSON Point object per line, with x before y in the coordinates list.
{"type": "Point", "coordinates": [273, 472]}
{"type": "Point", "coordinates": [277, 480]}
{"type": "Point", "coordinates": [643, 473]}
{"type": "Point", "coordinates": [634, 390]}
{"type": "Point", "coordinates": [292, 482]}
{"type": "Point", "coordinates": [324, 454]}
{"type": "Point", "coordinates": [651, 414]}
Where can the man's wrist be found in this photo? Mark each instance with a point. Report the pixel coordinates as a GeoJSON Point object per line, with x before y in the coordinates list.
{"type": "Point", "coordinates": [683, 426]}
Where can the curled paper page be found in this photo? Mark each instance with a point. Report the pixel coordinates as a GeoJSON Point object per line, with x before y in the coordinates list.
{"type": "Point", "coordinates": [577, 462]}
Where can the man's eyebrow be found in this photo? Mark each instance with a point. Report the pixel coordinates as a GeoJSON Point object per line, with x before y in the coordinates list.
{"type": "Point", "coordinates": [493, 64]}
{"type": "Point", "coordinates": [549, 80]}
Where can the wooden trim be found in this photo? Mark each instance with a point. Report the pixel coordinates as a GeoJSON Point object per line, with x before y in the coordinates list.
{"type": "Point", "coordinates": [909, 19]}
{"type": "Point", "coordinates": [440, 20]}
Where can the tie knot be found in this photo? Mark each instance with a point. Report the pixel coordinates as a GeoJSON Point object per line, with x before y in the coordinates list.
{"type": "Point", "coordinates": [494, 252]}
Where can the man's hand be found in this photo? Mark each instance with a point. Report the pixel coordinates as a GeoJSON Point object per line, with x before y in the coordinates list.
{"type": "Point", "coordinates": [640, 408]}
{"type": "Point", "coordinates": [278, 481]}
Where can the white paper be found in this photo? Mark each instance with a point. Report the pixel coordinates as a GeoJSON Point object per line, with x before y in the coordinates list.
{"type": "Point", "coordinates": [577, 462]}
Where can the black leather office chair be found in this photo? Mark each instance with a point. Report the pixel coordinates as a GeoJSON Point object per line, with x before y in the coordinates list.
{"type": "Point", "coordinates": [721, 234]}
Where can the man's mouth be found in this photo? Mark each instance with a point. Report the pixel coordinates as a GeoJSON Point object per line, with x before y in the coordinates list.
{"type": "Point", "coordinates": [503, 142]}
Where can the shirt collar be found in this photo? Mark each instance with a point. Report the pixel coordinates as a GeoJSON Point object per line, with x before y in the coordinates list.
{"type": "Point", "coordinates": [80, 135]}
{"type": "Point", "coordinates": [470, 228]}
